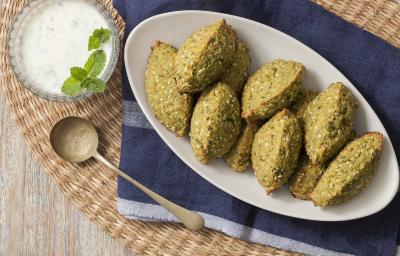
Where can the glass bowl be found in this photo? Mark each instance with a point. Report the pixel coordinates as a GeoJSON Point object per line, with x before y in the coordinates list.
{"type": "Point", "coordinates": [14, 50]}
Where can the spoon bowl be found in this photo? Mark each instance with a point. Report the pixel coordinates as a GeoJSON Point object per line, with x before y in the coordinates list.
{"type": "Point", "coordinates": [74, 139]}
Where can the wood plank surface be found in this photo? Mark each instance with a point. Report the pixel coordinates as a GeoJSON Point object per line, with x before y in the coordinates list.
{"type": "Point", "coordinates": [35, 217]}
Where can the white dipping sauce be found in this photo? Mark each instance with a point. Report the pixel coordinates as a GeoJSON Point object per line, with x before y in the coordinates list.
{"type": "Point", "coordinates": [55, 38]}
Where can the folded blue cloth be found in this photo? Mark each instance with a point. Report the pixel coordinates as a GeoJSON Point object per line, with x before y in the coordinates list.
{"type": "Point", "coordinates": [372, 65]}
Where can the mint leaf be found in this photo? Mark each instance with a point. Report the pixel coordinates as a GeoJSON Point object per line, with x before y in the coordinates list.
{"type": "Point", "coordinates": [94, 43]}
{"type": "Point", "coordinates": [94, 85]}
{"type": "Point", "coordinates": [99, 36]}
{"type": "Point", "coordinates": [102, 34]}
{"type": "Point", "coordinates": [78, 73]}
{"type": "Point", "coordinates": [95, 64]}
{"type": "Point", "coordinates": [90, 62]}
{"type": "Point", "coordinates": [71, 86]}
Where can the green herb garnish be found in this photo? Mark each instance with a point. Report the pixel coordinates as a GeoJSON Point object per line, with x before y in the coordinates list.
{"type": "Point", "coordinates": [86, 78]}
{"type": "Point", "coordinates": [79, 73]}
{"type": "Point", "coordinates": [71, 86]}
{"type": "Point", "coordinates": [95, 64]}
{"type": "Point", "coordinates": [94, 43]}
{"type": "Point", "coordinates": [99, 36]}
{"type": "Point", "coordinates": [94, 84]}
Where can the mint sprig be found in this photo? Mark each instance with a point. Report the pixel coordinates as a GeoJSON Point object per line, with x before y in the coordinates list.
{"type": "Point", "coordinates": [86, 78]}
{"type": "Point", "coordinates": [99, 36]}
{"type": "Point", "coordinates": [73, 86]}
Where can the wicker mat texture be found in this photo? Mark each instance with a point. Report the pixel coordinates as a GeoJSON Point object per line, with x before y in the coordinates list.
{"type": "Point", "coordinates": [93, 188]}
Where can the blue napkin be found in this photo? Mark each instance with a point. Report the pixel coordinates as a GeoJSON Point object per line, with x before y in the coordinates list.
{"type": "Point", "coordinates": [372, 65]}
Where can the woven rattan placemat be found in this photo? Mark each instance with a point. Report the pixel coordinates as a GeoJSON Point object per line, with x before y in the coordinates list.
{"type": "Point", "coordinates": [93, 188]}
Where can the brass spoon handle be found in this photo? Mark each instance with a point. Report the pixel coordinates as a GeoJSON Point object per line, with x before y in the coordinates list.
{"type": "Point", "coordinates": [191, 220]}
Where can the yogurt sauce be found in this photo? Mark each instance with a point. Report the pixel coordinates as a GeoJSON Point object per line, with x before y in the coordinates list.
{"type": "Point", "coordinates": [55, 38]}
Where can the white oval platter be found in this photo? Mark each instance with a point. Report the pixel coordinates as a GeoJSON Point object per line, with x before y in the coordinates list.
{"type": "Point", "coordinates": [265, 44]}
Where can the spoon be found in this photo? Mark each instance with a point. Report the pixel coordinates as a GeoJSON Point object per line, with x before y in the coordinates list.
{"type": "Point", "coordinates": [76, 140]}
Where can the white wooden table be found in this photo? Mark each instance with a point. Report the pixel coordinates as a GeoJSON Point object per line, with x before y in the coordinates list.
{"type": "Point", "coordinates": [35, 217]}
